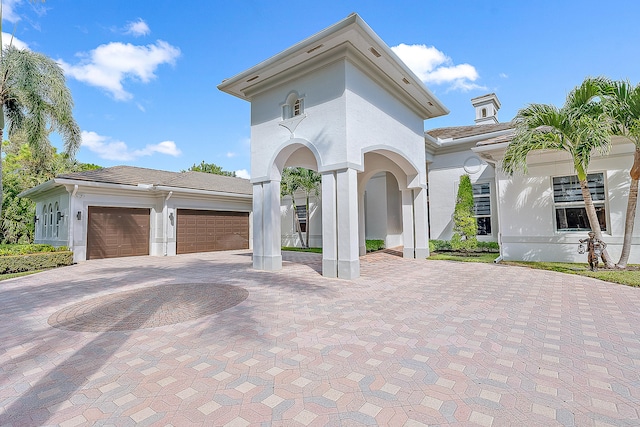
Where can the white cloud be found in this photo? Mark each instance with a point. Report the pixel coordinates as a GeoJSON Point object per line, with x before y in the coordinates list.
{"type": "Point", "coordinates": [504, 75]}
{"type": "Point", "coordinates": [109, 65]}
{"type": "Point", "coordinates": [138, 28]}
{"type": "Point", "coordinates": [231, 154]}
{"type": "Point", "coordinates": [6, 39]}
{"type": "Point", "coordinates": [111, 149]}
{"type": "Point", "coordinates": [243, 173]}
{"type": "Point", "coordinates": [434, 67]}
{"type": "Point", "coordinates": [8, 11]}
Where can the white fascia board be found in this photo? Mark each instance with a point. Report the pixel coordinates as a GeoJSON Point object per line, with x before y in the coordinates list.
{"type": "Point", "coordinates": [177, 190]}
{"type": "Point", "coordinates": [45, 186]}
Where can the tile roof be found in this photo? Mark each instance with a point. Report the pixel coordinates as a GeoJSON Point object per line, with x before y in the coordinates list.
{"type": "Point", "coordinates": [457, 132]}
{"type": "Point", "coordinates": [130, 175]}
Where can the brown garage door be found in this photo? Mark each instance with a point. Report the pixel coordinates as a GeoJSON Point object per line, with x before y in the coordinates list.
{"type": "Point", "coordinates": [207, 231]}
{"type": "Point", "coordinates": [117, 232]}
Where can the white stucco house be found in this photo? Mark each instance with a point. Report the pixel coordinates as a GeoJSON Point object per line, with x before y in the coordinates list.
{"type": "Point", "coordinates": [343, 104]}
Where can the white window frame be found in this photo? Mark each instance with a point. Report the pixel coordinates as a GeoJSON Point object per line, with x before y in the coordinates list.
{"type": "Point", "coordinates": [599, 196]}
{"type": "Point", "coordinates": [482, 196]}
{"type": "Point", "coordinates": [293, 106]}
{"type": "Point", "coordinates": [56, 229]}
{"type": "Point", "coordinates": [302, 220]}
{"type": "Point", "coordinates": [45, 222]}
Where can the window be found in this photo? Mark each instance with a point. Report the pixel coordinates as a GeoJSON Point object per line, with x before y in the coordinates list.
{"type": "Point", "coordinates": [301, 214]}
{"type": "Point", "coordinates": [484, 112]}
{"type": "Point", "coordinates": [56, 229]}
{"type": "Point", "coordinates": [293, 106]}
{"type": "Point", "coordinates": [45, 221]}
{"type": "Point", "coordinates": [571, 214]}
{"type": "Point", "coordinates": [482, 207]}
{"type": "Point", "coordinates": [50, 231]}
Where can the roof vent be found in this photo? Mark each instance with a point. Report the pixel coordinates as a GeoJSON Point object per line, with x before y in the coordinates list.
{"type": "Point", "coordinates": [375, 52]}
{"type": "Point", "coordinates": [252, 79]}
{"type": "Point", "coordinates": [315, 48]}
{"type": "Point", "coordinates": [407, 82]}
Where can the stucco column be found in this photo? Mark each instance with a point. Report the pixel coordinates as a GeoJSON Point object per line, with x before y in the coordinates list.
{"type": "Point", "coordinates": [408, 224]}
{"type": "Point", "coordinates": [329, 226]}
{"type": "Point", "coordinates": [258, 227]}
{"type": "Point", "coordinates": [272, 224]}
{"type": "Point", "coordinates": [347, 218]}
{"type": "Point", "coordinates": [421, 223]}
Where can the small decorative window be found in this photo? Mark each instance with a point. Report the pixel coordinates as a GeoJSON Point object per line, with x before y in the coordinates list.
{"type": "Point", "coordinates": [482, 207]}
{"type": "Point", "coordinates": [484, 112]}
{"type": "Point", "coordinates": [571, 214]}
{"type": "Point", "coordinates": [293, 106]}
{"type": "Point", "coordinates": [50, 232]}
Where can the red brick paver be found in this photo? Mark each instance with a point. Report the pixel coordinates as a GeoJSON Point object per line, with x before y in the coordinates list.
{"type": "Point", "coordinates": [411, 342]}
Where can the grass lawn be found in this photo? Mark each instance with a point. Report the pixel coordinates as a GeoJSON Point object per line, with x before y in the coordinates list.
{"type": "Point", "coordinates": [12, 275]}
{"type": "Point", "coordinates": [293, 249]}
{"type": "Point", "coordinates": [629, 277]}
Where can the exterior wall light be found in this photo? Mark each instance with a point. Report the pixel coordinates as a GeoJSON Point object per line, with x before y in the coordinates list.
{"type": "Point", "coordinates": [59, 216]}
{"type": "Point", "coordinates": [79, 215]}
{"type": "Point", "coordinates": [171, 217]}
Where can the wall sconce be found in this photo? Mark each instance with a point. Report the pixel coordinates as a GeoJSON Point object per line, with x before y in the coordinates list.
{"type": "Point", "coordinates": [79, 215]}
{"type": "Point", "coordinates": [59, 216]}
{"type": "Point", "coordinates": [36, 219]}
{"type": "Point", "coordinates": [171, 217]}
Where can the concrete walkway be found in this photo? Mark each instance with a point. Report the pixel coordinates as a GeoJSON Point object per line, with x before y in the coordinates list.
{"type": "Point", "coordinates": [203, 339]}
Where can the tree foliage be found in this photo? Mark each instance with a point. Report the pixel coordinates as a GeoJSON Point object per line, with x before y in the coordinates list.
{"type": "Point", "coordinates": [307, 181]}
{"type": "Point", "coordinates": [210, 168]}
{"type": "Point", "coordinates": [465, 227]}
{"type": "Point", "coordinates": [21, 171]}
{"type": "Point", "coordinates": [580, 127]}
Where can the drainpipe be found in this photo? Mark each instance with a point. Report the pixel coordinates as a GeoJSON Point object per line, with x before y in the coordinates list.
{"type": "Point", "coordinates": [165, 219]}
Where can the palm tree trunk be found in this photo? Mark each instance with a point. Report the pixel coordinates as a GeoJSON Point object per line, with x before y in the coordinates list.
{"type": "Point", "coordinates": [593, 219]}
{"type": "Point", "coordinates": [1, 189]}
{"type": "Point", "coordinates": [295, 216]}
{"type": "Point", "coordinates": [631, 211]}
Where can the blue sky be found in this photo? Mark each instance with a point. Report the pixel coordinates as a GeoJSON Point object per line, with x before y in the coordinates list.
{"type": "Point", "coordinates": [144, 73]}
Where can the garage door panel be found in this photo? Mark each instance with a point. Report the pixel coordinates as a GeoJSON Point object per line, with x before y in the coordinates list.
{"type": "Point", "coordinates": [207, 231]}
{"type": "Point", "coordinates": [117, 232]}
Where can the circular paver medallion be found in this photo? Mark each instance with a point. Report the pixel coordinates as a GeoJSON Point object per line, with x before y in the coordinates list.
{"type": "Point", "coordinates": [148, 307]}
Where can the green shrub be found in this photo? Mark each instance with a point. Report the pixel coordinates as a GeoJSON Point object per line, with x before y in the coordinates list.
{"type": "Point", "coordinates": [439, 245]}
{"type": "Point", "coordinates": [374, 245]}
{"type": "Point", "coordinates": [8, 250]}
{"type": "Point", "coordinates": [445, 246]}
{"type": "Point", "coordinates": [465, 227]}
{"type": "Point", "coordinates": [39, 261]}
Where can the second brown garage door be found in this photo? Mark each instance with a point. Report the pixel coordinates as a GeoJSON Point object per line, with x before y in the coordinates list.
{"type": "Point", "coordinates": [117, 232]}
{"type": "Point", "coordinates": [207, 231]}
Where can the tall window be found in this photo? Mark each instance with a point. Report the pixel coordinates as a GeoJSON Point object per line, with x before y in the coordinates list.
{"type": "Point", "coordinates": [571, 214]}
{"type": "Point", "coordinates": [482, 207]}
{"type": "Point", "coordinates": [50, 232]}
{"type": "Point", "coordinates": [56, 229]}
{"type": "Point", "coordinates": [45, 221]}
{"type": "Point", "coordinates": [301, 214]}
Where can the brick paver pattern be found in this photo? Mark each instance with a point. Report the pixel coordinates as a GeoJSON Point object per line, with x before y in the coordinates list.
{"type": "Point", "coordinates": [203, 339]}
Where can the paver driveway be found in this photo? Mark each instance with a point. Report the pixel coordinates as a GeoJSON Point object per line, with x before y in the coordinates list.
{"type": "Point", "coordinates": [411, 342]}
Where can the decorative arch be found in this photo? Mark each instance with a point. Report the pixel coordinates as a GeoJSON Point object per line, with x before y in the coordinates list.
{"type": "Point", "coordinates": [293, 151]}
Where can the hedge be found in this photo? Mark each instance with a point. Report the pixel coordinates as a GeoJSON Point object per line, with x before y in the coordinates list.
{"type": "Point", "coordinates": [30, 262]}
{"type": "Point", "coordinates": [8, 250]}
{"type": "Point", "coordinates": [445, 246]}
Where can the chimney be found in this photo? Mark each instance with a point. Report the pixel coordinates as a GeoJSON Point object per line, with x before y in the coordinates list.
{"type": "Point", "coordinates": [487, 107]}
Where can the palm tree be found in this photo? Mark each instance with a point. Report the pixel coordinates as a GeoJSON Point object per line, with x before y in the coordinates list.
{"type": "Point", "coordinates": [579, 128]}
{"type": "Point", "coordinates": [622, 104]}
{"type": "Point", "coordinates": [309, 182]}
{"type": "Point", "coordinates": [35, 101]}
{"type": "Point", "coordinates": [288, 187]}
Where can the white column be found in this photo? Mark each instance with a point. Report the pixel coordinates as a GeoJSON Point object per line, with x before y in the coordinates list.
{"type": "Point", "coordinates": [258, 227]}
{"type": "Point", "coordinates": [272, 224]}
{"type": "Point", "coordinates": [421, 222]}
{"type": "Point", "coordinates": [408, 224]}
{"type": "Point", "coordinates": [329, 226]}
{"type": "Point", "coordinates": [347, 218]}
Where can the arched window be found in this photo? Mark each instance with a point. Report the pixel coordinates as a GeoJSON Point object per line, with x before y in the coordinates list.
{"type": "Point", "coordinates": [56, 229]}
{"type": "Point", "coordinates": [484, 112]}
{"type": "Point", "coordinates": [293, 106]}
{"type": "Point", "coordinates": [44, 221]}
{"type": "Point", "coordinates": [50, 232]}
